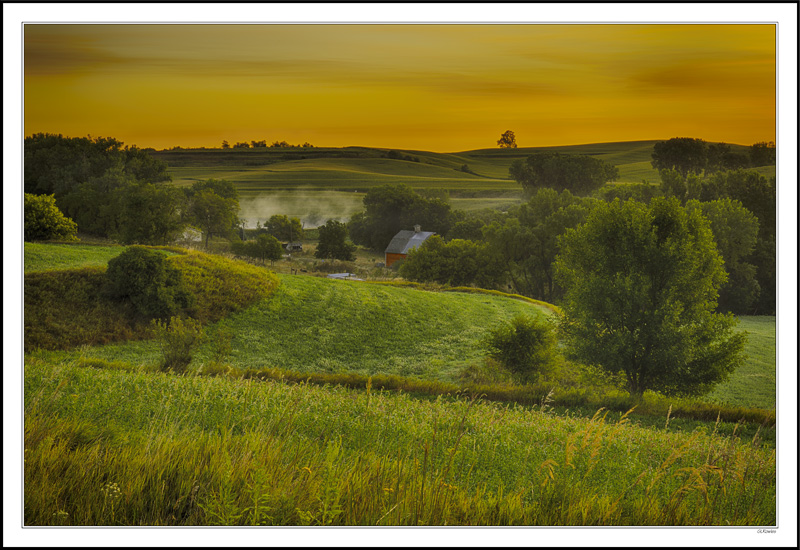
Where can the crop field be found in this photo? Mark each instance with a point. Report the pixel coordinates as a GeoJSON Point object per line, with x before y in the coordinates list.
{"type": "Point", "coordinates": [356, 169]}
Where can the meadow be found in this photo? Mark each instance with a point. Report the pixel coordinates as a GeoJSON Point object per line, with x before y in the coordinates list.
{"type": "Point", "coordinates": [108, 447]}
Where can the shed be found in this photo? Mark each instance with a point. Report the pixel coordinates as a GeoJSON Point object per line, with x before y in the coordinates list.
{"type": "Point", "coordinates": [404, 242]}
{"type": "Point", "coordinates": [295, 246]}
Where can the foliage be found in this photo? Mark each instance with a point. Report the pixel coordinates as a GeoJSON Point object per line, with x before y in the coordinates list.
{"type": "Point", "coordinates": [525, 346]}
{"type": "Point", "coordinates": [683, 154]}
{"type": "Point", "coordinates": [55, 164]}
{"type": "Point", "coordinates": [44, 221]}
{"type": "Point", "coordinates": [86, 176]}
{"type": "Point", "coordinates": [641, 286]}
{"type": "Point", "coordinates": [178, 340]}
{"type": "Point", "coordinates": [215, 214]}
{"type": "Point", "coordinates": [456, 263]}
{"type": "Point", "coordinates": [149, 213]}
{"type": "Point", "coordinates": [507, 140]}
{"type": "Point", "coordinates": [577, 173]}
{"type": "Point", "coordinates": [390, 208]}
{"type": "Point", "coordinates": [762, 153]}
{"type": "Point", "coordinates": [144, 278]}
{"type": "Point", "coordinates": [642, 192]}
{"type": "Point", "coordinates": [527, 240]}
{"type": "Point", "coordinates": [332, 242]}
{"type": "Point", "coordinates": [264, 247]}
{"type": "Point", "coordinates": [735, 231]}
{"type": "Point", "coordinates": [284, 228]}
{"type": "Point", "coordinates": [65, 309]}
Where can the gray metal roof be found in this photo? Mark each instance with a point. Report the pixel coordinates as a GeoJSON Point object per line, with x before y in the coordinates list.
{"type": "Point", "coordinates": [405, 240]}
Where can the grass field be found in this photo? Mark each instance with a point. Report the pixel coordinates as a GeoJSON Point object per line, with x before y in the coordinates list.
{"type": "Point", "coordinates": [123, 445]}
{"type": "Point", "coordinates": [45, 257]}
{"type": "Point", "coordinates": [319, 325]}
{"type": "Point", "coordinates": [106, 447]}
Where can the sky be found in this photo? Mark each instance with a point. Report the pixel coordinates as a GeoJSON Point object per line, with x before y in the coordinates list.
{"type": "Point", "coordinates": [438, 87]}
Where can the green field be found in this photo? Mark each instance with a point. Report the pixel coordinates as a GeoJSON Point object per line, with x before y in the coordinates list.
{"type": "Point", "coordinates": [45, 257]}
{"type": "Point", "coordinates": [320, 325]}
{"type": "Point", "coordinates": [106, 447]}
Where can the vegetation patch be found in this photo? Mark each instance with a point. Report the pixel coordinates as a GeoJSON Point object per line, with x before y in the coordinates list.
{"type": "Point", "coordinates": [208, 451]}
{"type": "Point", "coordinates": [65, 309]}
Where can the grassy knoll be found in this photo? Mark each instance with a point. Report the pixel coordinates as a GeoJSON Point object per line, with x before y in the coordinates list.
{"type": "Point", "coordinates": [107, 447]}
{"type": "Point", "coordinates": [318, 325]}
{"type": "Point", "coordinates": [64, 309]}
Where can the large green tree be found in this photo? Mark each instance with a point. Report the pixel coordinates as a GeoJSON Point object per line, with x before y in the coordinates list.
{"type": "Point", "coordinates": [526, 241]}
{"type": "Point", "coordinates": [735, 231]}
{"type": "Point", "coordinates": [455, 263]}
{"type": "Point", "coordinates": [641, 289]}
{"type": "Point", "coordinates": [150, 213]}
{"type": "Point", "coordinates": [686, 155]}
{"type": "Point", "coordinates": [580, 174]}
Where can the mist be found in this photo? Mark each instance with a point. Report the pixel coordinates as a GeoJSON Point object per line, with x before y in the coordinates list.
{"type": "Point", "coordinates": [313, 208]}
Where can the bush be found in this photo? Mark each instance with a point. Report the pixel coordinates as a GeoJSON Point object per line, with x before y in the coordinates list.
{"type": "Point", "coordinates": [44, 221]}
{"type": "Point", "coordinates": [145, 279]}
{"type": "Point", "coordinates": [525, 346]}
{"type": "Point", "coordinates": [178, 339]}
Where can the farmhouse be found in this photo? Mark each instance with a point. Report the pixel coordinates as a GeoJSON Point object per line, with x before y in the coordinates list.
{"type": "Point", "coordinates": [403, 242]}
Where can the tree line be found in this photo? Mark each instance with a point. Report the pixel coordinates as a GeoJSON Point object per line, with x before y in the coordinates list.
{"type": "Point", "coordinates": [262, 144]}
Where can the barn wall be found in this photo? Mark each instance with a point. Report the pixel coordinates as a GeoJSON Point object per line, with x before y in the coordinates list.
{"type": "Point", "coordinates": [392, 258]}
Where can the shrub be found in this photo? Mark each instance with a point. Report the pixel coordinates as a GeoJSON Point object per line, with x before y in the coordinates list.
{"type": "Point", "coordinates": [145, 279]}
{"type": "Point", "coordinates": [525, 346]}
{"type": "Point", "coordinates": [44, 221]}
{"type": "Point", "coordinates": [178, 339]}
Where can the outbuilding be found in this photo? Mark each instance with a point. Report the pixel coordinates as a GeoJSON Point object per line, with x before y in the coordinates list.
{"type": "Point", "coordinates": [403, 242]}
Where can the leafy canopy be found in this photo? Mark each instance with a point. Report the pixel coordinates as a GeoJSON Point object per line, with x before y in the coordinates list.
{"type": "Point", "coordinates": [333, 242]}
{"type": "Point", "coordinates": [641, 289]}
{"type": "Point", "coordinates": [580, 174]}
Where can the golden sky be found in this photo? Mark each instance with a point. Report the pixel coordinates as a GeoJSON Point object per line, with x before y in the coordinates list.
{"type": "Point", "coordinates": [428, 87]}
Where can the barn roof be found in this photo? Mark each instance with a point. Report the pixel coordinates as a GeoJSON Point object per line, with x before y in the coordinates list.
{"type": "Point", "coordinates": [405, 240]}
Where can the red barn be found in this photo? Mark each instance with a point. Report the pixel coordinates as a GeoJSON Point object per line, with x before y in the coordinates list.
{"type": "Point", "coordinates": [403, 242]}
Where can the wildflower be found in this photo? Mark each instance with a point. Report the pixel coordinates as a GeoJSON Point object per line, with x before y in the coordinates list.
{"type": "Point", "coordinates": [111, 490]}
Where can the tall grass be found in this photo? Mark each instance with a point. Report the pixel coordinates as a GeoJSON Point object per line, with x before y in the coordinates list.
{"type": "Point", "coordinates": [134, 448]}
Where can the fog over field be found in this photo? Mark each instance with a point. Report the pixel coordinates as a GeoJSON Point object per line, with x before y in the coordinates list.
{"type": "Point", "coordinates": [313, 208]}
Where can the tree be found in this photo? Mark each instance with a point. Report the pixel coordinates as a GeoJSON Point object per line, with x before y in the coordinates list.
{"type": "Point", "coordinates": [526, 346]}
{"type": "Point", "coordinates": [686, 155]}
{"type": "Point", "coordinates": [241, 145]}
{"type": "Point", "coordinates": [735, 231]}
{"type": "Point", "coordinates": [214, 214]}
{"type": "Point", "coordinates": [225, 144]}
{"type": "Point", "coordinates": [45, 222]}
{"type": "Point", "coordinates": [332, 242]}
{"type": "Point", "coordinates": [762, 153]}
{"type": "Point", "coordinates": [284, 228]}
{"type": "Point", "coordinates": [145, 279]}
{"type": "Point", "coordinates": [526, 241]}
{"type": "Point", "coordinates": [149, 213]}
{"type": "Point", "coordinates": [456, 263]}
{"type": "Point", "coordinates": [578, 173]}
{"type": "Point", "coordinates": [390, 208]}
{"type": "Point", "coordinates": [507, 140]}
{"type": "Point", "coordinates": [641, 288]}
